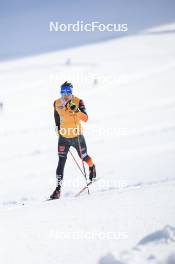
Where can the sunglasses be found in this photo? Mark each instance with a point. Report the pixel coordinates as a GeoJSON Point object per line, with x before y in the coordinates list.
{"type": "Point", "coordinates": [66, 93]}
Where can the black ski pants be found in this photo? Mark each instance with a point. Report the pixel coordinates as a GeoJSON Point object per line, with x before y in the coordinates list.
{"type": "Point", "coordinates": [63, 147]}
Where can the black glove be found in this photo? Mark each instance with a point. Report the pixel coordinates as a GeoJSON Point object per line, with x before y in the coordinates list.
{"type": "Point", "coordinates": [73, 106]}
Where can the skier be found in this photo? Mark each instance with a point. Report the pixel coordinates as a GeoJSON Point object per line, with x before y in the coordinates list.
{"type": "Point", "coordinates": [69, 111]}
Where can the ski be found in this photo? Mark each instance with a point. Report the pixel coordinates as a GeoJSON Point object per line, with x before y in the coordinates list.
{"type": "Point", "coordinates": [49, 199]}
{"type": "Point", "coordinates": [85, 187]}
{"type": "Point", "coordinates": [77, 194]}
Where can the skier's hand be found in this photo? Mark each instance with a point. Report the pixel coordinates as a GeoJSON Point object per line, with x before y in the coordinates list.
{"type": "Point", "coordinates": [57, 131]}
{"type": "Point", "coordinates": [73, 106]}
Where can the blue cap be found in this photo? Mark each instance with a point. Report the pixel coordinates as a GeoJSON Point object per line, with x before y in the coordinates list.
{"type": "Point", "coordinates": [66, 88]}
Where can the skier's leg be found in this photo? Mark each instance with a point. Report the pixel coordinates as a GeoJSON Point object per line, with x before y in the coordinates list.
{"type": "Point", "coordinates": [84, 155]}
{"type": "Point", "coordinates": [63, 148]}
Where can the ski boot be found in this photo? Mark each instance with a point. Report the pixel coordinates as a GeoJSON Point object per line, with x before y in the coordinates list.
{"type": "Point", "coordinates": [92, 173]}
{"type": "Point", "coordinates": [56, 194]}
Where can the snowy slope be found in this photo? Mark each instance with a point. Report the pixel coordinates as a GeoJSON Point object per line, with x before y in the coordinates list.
{"type": "Point", "coordinates": [128, 87]}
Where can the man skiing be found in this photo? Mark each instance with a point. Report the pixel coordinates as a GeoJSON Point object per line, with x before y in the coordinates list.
{"type": "Point", "coordinates": [69, 111]}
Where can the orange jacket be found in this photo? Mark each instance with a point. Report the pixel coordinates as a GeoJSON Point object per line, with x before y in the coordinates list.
{"type": "Point", "coordinates": [69, 122]}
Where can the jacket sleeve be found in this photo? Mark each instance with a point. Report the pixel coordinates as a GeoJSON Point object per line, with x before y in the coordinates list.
{"type": "Point", "coordinates": [82, 114]}
{"type": "Point", "coordinates": [57, 117]}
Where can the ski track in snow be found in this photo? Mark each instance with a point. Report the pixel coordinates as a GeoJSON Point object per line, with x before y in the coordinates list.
{"type": "Point", "coordinates": [25, 201]}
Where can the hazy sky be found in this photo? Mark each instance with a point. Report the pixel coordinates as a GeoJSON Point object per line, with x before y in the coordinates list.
{"type": "Point", "coordinates": [24, 25]}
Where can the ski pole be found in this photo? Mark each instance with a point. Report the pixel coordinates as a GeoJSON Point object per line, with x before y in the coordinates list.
{"type": "Point", "coordinates": [76, 162]}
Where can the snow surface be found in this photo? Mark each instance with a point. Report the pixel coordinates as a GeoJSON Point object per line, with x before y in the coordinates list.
{"type": "Point", "coordinates": [129, 217]}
